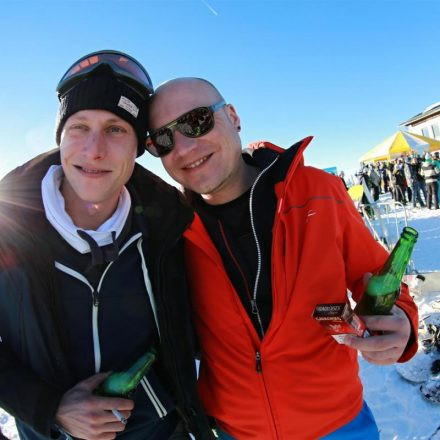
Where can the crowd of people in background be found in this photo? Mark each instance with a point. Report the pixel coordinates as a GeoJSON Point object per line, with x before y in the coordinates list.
{"type": "Point", "coordinates": [410, 179]}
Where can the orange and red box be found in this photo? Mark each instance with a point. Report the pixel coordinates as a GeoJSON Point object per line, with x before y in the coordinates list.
{"type": "Point", "coordinates": [339, 319]}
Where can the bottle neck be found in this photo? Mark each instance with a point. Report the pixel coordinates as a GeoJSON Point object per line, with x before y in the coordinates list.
{"type": "Point", "coordinates": [399, 258]}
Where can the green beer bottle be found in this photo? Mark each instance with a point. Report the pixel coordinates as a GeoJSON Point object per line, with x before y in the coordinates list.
{"type": "Point", "coordinates": [123, 383]}
{"type": "Point", "coordinates": [383, 288]}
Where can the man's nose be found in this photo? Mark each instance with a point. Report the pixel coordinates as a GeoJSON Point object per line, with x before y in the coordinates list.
{"type": "Point", "coordinates": [94, 146]}
{"type": "Point", "coordinates": [183, 144]}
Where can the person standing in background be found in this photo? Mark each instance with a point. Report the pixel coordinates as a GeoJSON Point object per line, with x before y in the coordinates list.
{"type": "Point", "coordinates": [436, 159]}
{"type": "Point", "coordinates": [431, 174]}
{"type": "Point", "coordinates": [411, 169]}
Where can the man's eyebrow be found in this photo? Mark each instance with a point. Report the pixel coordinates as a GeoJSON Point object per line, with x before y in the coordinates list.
{"type": "Point", "coordinates": [86, 119]}
{"type": "Point", "coordinates": [79, 118]}
{"type": "Point", "coordinates": [116, 120]}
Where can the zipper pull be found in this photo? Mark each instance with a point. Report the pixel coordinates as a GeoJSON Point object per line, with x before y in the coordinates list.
{"type": "Point", "coordinates": [254, 306]}
{"type": "Point", "coordinates": [95, 298]}
{"type": "Point", "coordinates": [258, 366]}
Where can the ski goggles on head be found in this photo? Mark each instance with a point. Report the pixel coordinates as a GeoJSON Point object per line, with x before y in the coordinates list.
{"type": "Point", "coordinates": [123, 66]}
{"type": "Point", "coordinates": [193, 124]}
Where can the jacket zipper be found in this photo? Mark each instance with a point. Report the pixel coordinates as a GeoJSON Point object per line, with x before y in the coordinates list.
{"type": "Point", "coordinates": [258, 367]}
{"type": "Point", "coordinates": [160, 409]}
{"type": "Point", "coordinates": [257, 353]}
{"type": "Point", "coordinates": [258, 359]}
{"type": "Point", "coordinates": [95, 299]}
{"type": "Point", "coordinates": [259, 370]}
{"type": "Point", "coordinates": [254, 304]}
{"type": "Point", "coordinates": [95, 305]}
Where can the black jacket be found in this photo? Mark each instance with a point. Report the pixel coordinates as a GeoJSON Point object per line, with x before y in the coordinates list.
{"type": "Point", "coordinates": [34, 367]}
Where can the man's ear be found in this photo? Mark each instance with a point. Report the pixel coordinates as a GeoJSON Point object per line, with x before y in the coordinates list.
{"type": "Point", "coordinates": [233, 116]}
{"type": "Point", "coordinates": [149, 145]}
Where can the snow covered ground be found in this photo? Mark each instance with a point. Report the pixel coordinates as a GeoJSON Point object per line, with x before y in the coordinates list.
{"type": "Point", "coordinates": [400, 409]}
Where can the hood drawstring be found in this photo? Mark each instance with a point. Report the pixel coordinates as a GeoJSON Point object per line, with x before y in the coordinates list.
{"type": "Point", "coordinates": [101, 255]}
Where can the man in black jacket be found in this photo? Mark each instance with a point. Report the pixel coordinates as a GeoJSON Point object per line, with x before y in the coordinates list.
{"type": "Point", "coordinates": [91, 272]}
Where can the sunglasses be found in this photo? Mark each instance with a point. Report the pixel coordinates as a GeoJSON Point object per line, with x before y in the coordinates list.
{"type": "Point", "coordinates": [123, 66]}
{"type": "Point", "coordinates": [193, 124]}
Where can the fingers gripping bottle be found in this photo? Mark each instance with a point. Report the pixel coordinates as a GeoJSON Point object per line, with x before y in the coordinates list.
{"type": "Point", "coordinates": [123, 383]}
{"type": "Point", "coordinates": [383, 289]}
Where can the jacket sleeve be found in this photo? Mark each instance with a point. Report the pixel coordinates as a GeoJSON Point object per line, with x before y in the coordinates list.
{"type": "Point", "coordinates": [363, 254]}
{"type": "Point", "coordinates": [406, 303]}
{"type": "Point", "coordinates": [22, 393]}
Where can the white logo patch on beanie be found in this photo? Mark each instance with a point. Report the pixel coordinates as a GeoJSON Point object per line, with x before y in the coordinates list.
{"type": "Point", "coordinates": [128, 105]}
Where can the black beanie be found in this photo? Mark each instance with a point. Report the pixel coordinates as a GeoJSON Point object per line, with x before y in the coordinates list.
{"type": "Point", "coordinates": [105, 92]}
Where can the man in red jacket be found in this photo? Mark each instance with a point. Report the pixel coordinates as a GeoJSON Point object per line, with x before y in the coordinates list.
{"type": "Point", "coordinates": [271, 239]}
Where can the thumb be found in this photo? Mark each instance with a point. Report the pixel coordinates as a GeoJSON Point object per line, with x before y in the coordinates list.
{"type": "Point", "coordinates": [93, 381]}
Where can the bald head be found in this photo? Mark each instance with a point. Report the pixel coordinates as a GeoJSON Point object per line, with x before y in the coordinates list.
{"type": "Point", "coordinates": [192, 85]}
{"type": "Point", "coordinates": [208, 162]}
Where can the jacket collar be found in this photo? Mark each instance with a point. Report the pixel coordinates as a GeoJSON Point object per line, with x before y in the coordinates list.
{"type": "Point", "coordinates": [262, 153]}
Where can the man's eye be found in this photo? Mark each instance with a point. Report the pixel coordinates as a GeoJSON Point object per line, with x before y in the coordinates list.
{"type": "Point", "coordinates": [116, 129]}
{"type": "Point", "coordinates": [79, 127]}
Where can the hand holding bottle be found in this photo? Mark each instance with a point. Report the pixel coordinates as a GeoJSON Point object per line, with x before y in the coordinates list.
{"type": "Point", "coordinates": [385, 348]}
{"type": "Point", "coordinates": [383, 289]}
{"type": "Point", "coordinates": [96, 408]}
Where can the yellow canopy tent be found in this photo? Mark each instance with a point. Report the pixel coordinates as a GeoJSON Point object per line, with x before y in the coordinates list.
{"type": "Point", "coordinates": [399, 143]}
{"type": "Point", "coordinates": [356, 192]}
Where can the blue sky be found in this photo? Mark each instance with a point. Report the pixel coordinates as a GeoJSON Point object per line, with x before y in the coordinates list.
{"type": "Point", "coordinates": [347, 72]}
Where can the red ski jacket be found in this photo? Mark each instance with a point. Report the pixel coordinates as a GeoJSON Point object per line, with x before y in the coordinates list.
{"type": "Point", "coordinates": [298, 382]}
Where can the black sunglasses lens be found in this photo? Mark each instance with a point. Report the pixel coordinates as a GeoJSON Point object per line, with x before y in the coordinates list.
{"type": "Point", "coordinates": [163, 141]}
{"type": "Point", "coordinates": [193, 124]}
{"type": "Point", "coordinates": [196, 123]}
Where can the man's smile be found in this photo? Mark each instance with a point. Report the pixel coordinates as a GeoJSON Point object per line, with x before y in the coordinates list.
{"type": "Point", "coordinates": [197, 163]}
{"type": "Point", "coordinates": [90, 170]}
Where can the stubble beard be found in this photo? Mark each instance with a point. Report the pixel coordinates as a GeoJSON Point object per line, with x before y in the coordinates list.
{"type": "Point", "coordinates": [215, 191]}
